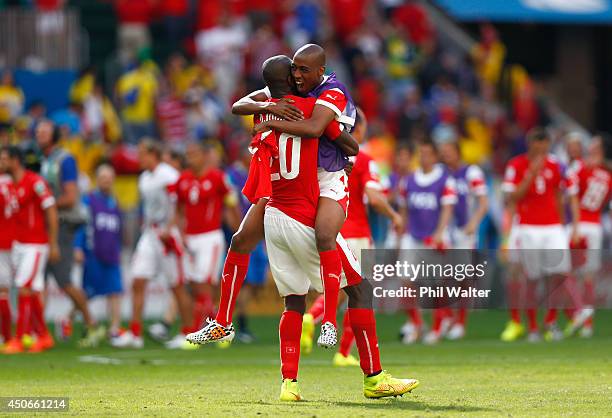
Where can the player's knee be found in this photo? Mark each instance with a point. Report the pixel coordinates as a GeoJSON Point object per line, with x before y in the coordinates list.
{"type": "Point", "coordinates": [295, 303]}
{"type": "Point", "coordinates": [326, 240]}
{"type": "Point", "coordinates": [242, 242]}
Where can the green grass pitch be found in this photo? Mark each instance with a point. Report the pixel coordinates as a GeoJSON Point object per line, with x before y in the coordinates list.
{"type": "Point", "coordinates": [479, 376]}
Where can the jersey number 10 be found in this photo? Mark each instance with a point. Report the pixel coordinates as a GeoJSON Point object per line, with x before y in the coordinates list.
{"type": "Point", "coordinates": [283, 144]}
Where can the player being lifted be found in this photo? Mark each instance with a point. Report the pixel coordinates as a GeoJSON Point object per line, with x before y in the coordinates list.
{"type": "Point", "coordinates": [158, 250]}
{"type": "Point", "coordinates": [364, 188]}
{"type": "Point", "coordinates": [290, 217]}
{"type": "Point", "coordinates": [333, 103]}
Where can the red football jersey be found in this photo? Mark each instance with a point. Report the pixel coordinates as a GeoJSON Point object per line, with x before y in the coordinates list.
{"type": "Point", "coordinates": [539, 205]}
{"type": "Point", "coordinates": [33, 197]}
{"type": "Point", "coordinates": [295, 187]}
{"type": "Point", "coordinates": [364, 175]}
{"type": "Point", "coordinates": [8, 209]}
{"type": "Point", "coordinates": [203, 199]}
{"type": "Point", "coordinates": [594, 187]}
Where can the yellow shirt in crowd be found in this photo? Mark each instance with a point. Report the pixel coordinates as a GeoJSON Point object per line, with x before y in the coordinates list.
{"type": "Point", "coordinates": [137, 90]}
{"type": "Point", "coordinates": [11, 103]}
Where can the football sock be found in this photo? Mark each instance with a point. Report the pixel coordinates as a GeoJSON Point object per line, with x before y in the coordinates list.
{"type": "Point", "coordinates": [290, 330]}
{"type": "Point", "coordinates": [551, 317]}
{"type": "Point", "coordinates": [202, 309]}
{"type": "Point", "coordinates": [364, 327]}
{"type": "Point", "coordinates": [331, 269]}
{"type": "Point", "coordinates": [515, 315]}
{"type": "Point", "coordinates": [136, 328]}
{"type": "Point", "coordinates": [5, 317]}
{"type": "Point", "coordinates": [415, 316]}
{"type": "Point", "coordinates": [461, 316]}
{"type": "Point", "coordinates": [24, 313]}
{"type": "Point", "coordinates": [532, 317]}
{"type": "Point", "coordinates": [316, 310]}
{"type": "Point", "coordinates": [348, 337]}
{"type": "Point", "coordinates": [234, 272]}
{"type": "Point", "coordinates": [38, 316]}
{"type": "Point", "coordinates": [514, 300]}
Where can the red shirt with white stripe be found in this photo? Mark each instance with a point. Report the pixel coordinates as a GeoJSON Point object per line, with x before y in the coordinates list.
{"type": "Point", "coordinates": [333, 99]}
{"type": "Point", "coordinates": [33, 197]}
{"type": "Point", "coordinates": [364, 174]}
{"type": "Point", "coordinates": [203, 199]}
{"type": "Point", "coordinates": [594, 188]}
{"type": "Point", "coordinates": [539, 205]}
{"type": "Point", "coordinates": [8, 209]}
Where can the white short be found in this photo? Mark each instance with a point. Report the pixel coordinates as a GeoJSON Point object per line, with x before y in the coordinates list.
{"type": "Point", "coordinates": [203, 256]}
{"type": "Point", "coordinates": [294, 260]}
{"type": "Point", "coordinates": [358, 244]}
{"type": "Point", "coordinates": [29, 262]}
{"type": "Point", "coordinates": [463, 241]}
{"type": "Point", "coordinates": [334, 185]}
{"type": "Point", "coordinates": [593, 234]}
{"type": "Point", "coordinates": [150, 259]}
{"type": "Point", "coordinates": [6, 269]}
{"type": "Point", "coordinates": [544, 250]}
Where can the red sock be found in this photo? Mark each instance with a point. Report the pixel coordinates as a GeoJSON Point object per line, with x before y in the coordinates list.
{"type": "Point", "coordinates": [515, 315]}
{"type": "Point", "coordinates": [439, 314]}
{"type": "Point", "coordinates": [415, 316]}
{"type": "Point", "coordinates": [569, 313]}
{"type": "Point", "coordinates": [551, 317]}
{"type": "Point", "coordinates": [234, 272]}
{"type": "Point", "coordinates": [24, 312]}
{"type": "Point", "coordinates": [5, 317]}
{"type": "Point", "coordinates": [38, 317]}
{"type": "Point", "coordinates": [532, 318]}
{"type": "Point", "coordinates": [331, 269]}
{"type": "Point", "coordinates": [289, 331]}
{"type": "Point", "coordinates": [364, 327]}
{"type": "Point", "coordinates": [316, 310]}
{"type": "Point", "coordinates": [514, 295]}
{"type": "Point", "coordinates": [202, 309]}
{"type": "Point", "coordinates": [136, 328]}
{"type": "Point", "coordinates": [348, 337]}
{"type": "Point", "coordinates": [461, 316]}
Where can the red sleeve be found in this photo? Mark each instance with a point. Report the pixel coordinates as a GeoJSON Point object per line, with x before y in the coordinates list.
{"type": "Point", "coordinates": [511, 177]}
{"type": "Point", "coordinates": [42, 193]}
{"type": "Point", "coordinates": [370, 177]}
{"type": "Point", "coordinates": [333, 99]}
{"type": "Point", "coordinates": [333, 130]}
{"type": "Point", "coordinates": [177, 191]}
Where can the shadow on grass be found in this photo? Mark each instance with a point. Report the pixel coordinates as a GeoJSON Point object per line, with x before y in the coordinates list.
{"type": "Point", "coordinates": [381, 404]}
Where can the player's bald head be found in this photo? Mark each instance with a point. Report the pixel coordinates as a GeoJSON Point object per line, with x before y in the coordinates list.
{"type": "Point", "coordinates": [312, 52]}
{"type": "Point", "coordinates": [276, 72]}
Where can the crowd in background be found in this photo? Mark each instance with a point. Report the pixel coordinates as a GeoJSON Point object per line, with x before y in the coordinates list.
{"type": "Point", "coordinates": [410, 85]}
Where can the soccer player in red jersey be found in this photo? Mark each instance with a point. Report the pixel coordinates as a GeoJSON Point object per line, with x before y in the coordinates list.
{"type": "Point", "coordinates": [594, 183]}
{"type": "Point", "coordinates": [534, 182]}
{"type": "Point", "coordinates": [364, 188]}
{"type": "Point", "coordinates": [308, 71]}
{"type": "Point", "coordinates": [203, 191]}
{"type": "Point", "coordinates": [8, 209]}
{"type": "Point", "coordinates": [36, 242]}
{"type": "Point", "coordinates": [290, 217]}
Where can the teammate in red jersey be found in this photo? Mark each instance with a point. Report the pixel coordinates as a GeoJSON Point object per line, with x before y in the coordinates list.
{"type": "Point", "coordinates": [594, 183]}
{"type": "Point", "coordinates": [36, 242]}
{"type": "Point", "coordinates": [364, 188]}
{"type": "Point", "coordinates": [203, 191]}
{"type": "Point", "coordinates": [308, 71]}
{"type": "Point", "coordinates": [8, 209]}
{"type": "Point", "coordinates": [290, 239]}
{"type": "Point", "coordinates": [535, 183]}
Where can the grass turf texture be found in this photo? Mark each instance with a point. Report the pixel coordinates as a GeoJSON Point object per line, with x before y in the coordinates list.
{"type": "Point", "coordinates": [479, 376]}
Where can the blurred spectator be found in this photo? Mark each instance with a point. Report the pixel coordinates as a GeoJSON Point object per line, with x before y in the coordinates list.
{"type": "Point", "coordinates": [413, 18]}
{"type": "Point", "coordinates": [347, 16]}
{"type": "Point", "coordinates": [133, 31]}
{"type": "Point", "coordinates": [69, 118]}
{"type": "Point", "coordinates": [221, 48]}
{"type": "Point", "coordinates": [302, 27]}
{"type": "Point", "coordinates": [174, 13]}
{"type": "Point", "coordinates": [100, 120]}
{"type": "Point", "coordinates": [11, 98]}
{"type": "Point", "coordinates": [204, 114]}
{"type": "Point", "coordinates": [171, 115]}
{"type": "Point", "coordinates": [489, 55]}
{"type": "Point", "coordinates": [83, 86]}
{"type": "Point", "coordinates": [137, 90]}
{"type": "Point", "coordinates": [262, 45]}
